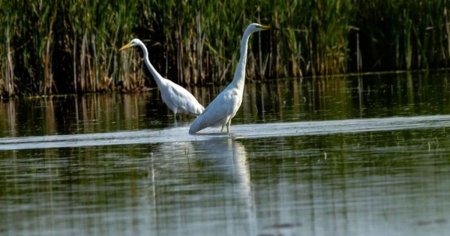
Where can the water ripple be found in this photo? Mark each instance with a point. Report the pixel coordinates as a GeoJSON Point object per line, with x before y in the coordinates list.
{"type": "Point", "coordinates": [246, 131]}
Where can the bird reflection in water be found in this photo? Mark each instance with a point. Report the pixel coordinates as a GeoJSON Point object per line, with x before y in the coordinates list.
{"type": "Point", "coordinates": [194, 177]}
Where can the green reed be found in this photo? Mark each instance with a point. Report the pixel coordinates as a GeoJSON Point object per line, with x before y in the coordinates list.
{"type": "Point", "coordinates": [56, 46]}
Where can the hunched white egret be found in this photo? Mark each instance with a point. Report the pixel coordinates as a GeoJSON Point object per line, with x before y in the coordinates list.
{"type": "Point", "coordinates": [224, 107]}
{"type": "Point", "coordinates": [178, 99]}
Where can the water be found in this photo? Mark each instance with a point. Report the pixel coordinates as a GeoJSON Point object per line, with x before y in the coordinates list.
{"type": "Point", "coordinates": [340, 156]}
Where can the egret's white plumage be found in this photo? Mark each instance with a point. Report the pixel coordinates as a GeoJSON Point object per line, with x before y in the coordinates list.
{"type": "Point", "coordinates": [178, 99]}
{"type": "Point", "coordinates": [224, 107]}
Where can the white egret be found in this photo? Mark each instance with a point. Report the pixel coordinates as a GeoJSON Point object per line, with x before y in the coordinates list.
{"type": "Point", "coordinates": [224, 107]}
{"type": "Point", "coordinates": [178, 99]}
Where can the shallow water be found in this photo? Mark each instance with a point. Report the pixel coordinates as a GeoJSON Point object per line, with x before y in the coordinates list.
{"type": "Point", "coordinates": [336, 156]}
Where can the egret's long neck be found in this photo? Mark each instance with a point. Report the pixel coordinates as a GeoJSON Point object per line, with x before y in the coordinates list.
{"type": "Point", "coordinates": [239, 74]}
{"type": "Point", "coordinates": [158, 78]}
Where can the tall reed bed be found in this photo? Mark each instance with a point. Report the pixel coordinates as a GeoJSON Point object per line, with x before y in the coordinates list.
{"type": "Point", "coordinates": [404, 34]}
{"type": "Point", "coordinates": [56, 46]}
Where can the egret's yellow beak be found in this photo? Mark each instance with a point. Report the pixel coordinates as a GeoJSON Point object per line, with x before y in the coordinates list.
{"type": "Point", "coordinates": [265, 27]}
{"type": "Point", "coordinates": [129, 45]}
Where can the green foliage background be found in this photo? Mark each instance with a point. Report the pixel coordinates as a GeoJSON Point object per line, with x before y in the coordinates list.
{"type": "Point", "coordinates": [56, 46]}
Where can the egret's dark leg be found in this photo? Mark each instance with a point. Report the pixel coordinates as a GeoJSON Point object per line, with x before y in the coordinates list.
{"type": "Point", "coordinates": [175, 116]}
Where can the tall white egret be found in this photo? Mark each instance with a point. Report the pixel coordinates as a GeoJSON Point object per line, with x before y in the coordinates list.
{"type": "Point", "coordinates": [178, 99]}
{"type": "Point", "coordinates": [224, 107]}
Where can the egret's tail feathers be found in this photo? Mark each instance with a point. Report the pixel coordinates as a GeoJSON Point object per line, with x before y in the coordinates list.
{"type": "Point", "coordinates": [197, 125]}
{"type": "Point", "coordinates": [195, 109]}
{"type": "Point", "coordinates": [194, 128]}
{"type": "Point", "coordinates": [199, 110]}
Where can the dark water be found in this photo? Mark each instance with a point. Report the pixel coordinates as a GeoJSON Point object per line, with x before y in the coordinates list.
{"type": "Point", "coordinates": [332, 156]}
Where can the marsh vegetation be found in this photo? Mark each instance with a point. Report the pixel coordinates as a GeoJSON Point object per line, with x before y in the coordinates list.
{"type": "Point", "coordinates": [50, 47]}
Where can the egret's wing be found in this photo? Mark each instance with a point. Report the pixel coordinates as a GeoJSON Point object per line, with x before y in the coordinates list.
{"type": "Point", "coordinates": [217, 112]}
{"type": "Point", "coordinates": [184, 100]}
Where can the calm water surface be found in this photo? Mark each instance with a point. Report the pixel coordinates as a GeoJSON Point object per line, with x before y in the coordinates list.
{"type": "Point", "coordinates": [334, 156]}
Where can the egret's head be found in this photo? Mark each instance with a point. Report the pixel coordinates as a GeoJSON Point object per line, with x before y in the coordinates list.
{"type": "Point", "coordinates": [255, 27]}
{"type": "Point", "coordinates": [132, 43]}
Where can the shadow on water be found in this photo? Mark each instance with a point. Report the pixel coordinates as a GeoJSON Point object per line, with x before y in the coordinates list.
{"type": "Point", "coordinates": [330, 156]}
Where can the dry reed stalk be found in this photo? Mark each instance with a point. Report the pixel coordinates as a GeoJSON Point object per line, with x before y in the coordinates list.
{"type": "Point", "coordinates": [10, 66]}
{"type": "Point", "coordinates": [48, 74]}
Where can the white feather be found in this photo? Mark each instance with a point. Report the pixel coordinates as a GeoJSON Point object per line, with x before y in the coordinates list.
{"type": "Point", "coordinates": [224, 107]}
{"type": "Point", "coordinates": [178, 99]}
